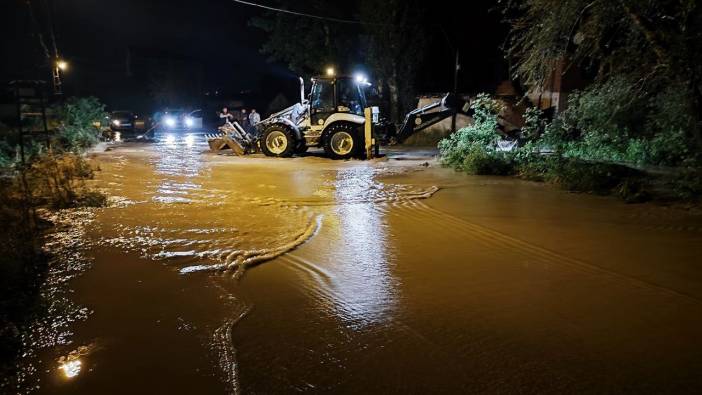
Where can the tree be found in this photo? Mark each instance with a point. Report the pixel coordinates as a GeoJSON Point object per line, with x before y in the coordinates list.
{"type": "Point", "coordinates": [389, 40]}
{"type": "Point", "coordinates": [394, 42]}
{"type": "Point", "coordinates": [654, 47]}
{"type": "Point", "coordinates": [306, 45]}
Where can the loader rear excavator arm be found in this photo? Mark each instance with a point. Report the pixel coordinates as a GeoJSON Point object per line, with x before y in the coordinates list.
{"type": "Point", "coordinates": [432, 114]}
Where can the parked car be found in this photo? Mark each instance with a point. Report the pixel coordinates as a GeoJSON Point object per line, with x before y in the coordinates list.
{"type": "Point", "coordinates": [127, 122]}
{"type": "Point", "coordinates": [179, 120]}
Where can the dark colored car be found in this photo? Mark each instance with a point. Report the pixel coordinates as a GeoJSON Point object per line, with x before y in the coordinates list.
{"type": "Point", "coordinates": [126, 122]}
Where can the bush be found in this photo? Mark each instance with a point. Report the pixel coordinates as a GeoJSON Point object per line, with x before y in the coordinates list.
{"type": "Point", "coordinates": [77, 130]}
{"type": "Point", "coordinates": [580, 176]}
{"type": "Point", "coordinates": [534, 167]}
{"type": "Point", "coordinates": [612, 122]}
{"type": "Point", "coordinates": [480, 161]}
{"type": "Point", "coordinates": [473, 148]}
{"type": "Point", "coordinates": [687, 185]}
{"type": "Point", "coordinates": [22, 269]}
{"type": "Point", "coordinates": [58, 181]}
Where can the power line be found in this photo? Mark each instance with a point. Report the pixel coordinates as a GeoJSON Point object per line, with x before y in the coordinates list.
{"type": "Point", "coordinates": [37, 31]}
{"type": "Point", "coordinates": [325, 18]}
{"type": "Point", "coordinates": [49, 12]}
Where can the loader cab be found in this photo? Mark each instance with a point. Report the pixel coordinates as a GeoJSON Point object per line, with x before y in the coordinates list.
{"type": "Point", "coordinates": [330, 95]}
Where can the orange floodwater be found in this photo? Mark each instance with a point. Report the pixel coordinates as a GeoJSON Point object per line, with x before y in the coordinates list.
{"type": "Point", "coordinates": [218, 274]}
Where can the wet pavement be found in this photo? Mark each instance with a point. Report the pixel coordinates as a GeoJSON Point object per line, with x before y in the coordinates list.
{"type": "Point", "coordinates": [218, 274]}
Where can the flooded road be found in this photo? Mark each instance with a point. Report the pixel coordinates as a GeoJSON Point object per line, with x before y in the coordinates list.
{"type": "Point", "coordinates": [218, 274]}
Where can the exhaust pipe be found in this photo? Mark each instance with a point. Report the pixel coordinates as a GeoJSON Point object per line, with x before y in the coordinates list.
{"type": "Point", "coordinates": [302, 90]}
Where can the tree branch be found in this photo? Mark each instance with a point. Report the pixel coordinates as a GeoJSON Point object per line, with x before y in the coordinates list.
{"type": "Point", "coordinates": [648, 33]}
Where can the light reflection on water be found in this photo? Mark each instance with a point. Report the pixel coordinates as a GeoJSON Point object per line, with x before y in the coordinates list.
{"type": "Point", "coordinates": [364, 287]}
{"type": "Point", "coordinates": [179, 154]}
{"type": "Point", "coordinates": [71, 369]}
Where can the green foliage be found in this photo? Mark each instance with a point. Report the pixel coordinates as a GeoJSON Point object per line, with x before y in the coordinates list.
{"type": "Point", "coordinates": [534, 167]}
{"type": "Point", "coordinates": [480, 161]}
{"type": "Point", "coordinates": [7, 155]}
{"type": "Point", "coordinates": [687, 185]}
{"type": "Point", "coordinates": [534, 123]}
{"type": "Point", "coordinates": [58, 181]}
{"type": "Point", "coordinates": [474, 141]}
{"type": "Point", "coordinates": [609, 122]}
{"type": "Point", "coordinates": [77, 130]}
{"type": "Point", "coordinates": [646, 60]}
{"type": "Point", "coordinates": [580, 176]}
{"type": "Point", "coordinates": [308, 45]}
{"type": "Point", "coordinates": [390, 30]}
{"type": "Point", "coordinates": [393, 44]}
{"type": "Point", "coordinates": [22, 269]}
{"type": "Point", "coordinates": [54, 179]}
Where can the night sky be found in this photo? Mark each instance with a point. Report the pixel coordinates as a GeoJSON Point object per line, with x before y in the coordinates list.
{"type": "Point", "coordinates": [214, 35]}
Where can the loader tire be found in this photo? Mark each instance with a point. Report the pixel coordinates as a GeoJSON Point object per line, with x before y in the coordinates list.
{"type": "Point", "coordinates": [342, 141]}
{"type": "Point", "coordinates": [278, 141]}
{"type": "Point", "coordinates": [301, 147]}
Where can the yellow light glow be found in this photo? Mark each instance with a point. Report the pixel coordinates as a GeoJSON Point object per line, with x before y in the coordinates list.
{"type": "Point", "coordinates": [330, 71]}
{"type": "Point", "coordinates": [71, 368]}
{"type": "Point", "coordinates": [62, 65]}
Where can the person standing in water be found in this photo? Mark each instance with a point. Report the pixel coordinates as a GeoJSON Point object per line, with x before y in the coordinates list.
{"type": "Point", "coordinates": [244, 120]}
{"type": "Point", "coordinates": [226, 116]}
{"type": "Point", "coordinates": [254, 118]}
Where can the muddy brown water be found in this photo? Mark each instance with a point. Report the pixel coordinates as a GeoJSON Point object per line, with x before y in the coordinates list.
{"type": "Point", "coordinates": [217, 274]}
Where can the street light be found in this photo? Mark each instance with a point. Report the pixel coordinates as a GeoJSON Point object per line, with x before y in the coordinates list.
{"type": "Point", "coordinates": [330, 72]}
{"type": "Point", "coordinates": [59, 66]}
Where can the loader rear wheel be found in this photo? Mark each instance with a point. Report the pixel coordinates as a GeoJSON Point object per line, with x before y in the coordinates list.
{"type": "Point", "coordinates": [278, 140]}
{"type": "Point", "coordinates": [342, 141]}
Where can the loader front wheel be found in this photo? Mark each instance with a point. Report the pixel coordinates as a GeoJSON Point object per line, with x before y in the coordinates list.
{"type": "Point", "coordinates": [301, 147]}
{"type": "Point", "coordinates": [342, 141]}
{"type": "Point", "coordinates": [278, 141]}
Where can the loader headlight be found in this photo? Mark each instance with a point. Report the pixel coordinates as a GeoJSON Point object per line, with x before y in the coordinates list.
{"type": "Point", "coordinates": [169, 121]}
{"type": "Point", "coordinates": [189, 122]}
{"type": "Point", "coordinates": [116, 122]}
{"type": "Point", "coordinates": [361, 79]}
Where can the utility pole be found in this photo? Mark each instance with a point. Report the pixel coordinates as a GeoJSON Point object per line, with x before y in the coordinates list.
{"type": "Point", "coordinates": [455, 90]}
{"type": "Point", "coordinates": [58, 65]}
{"type": "Point", "coordinates": [56, 75]}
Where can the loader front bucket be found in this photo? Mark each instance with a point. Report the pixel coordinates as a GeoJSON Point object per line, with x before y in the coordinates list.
{"type": "Point", "coordinates": [224, 141]}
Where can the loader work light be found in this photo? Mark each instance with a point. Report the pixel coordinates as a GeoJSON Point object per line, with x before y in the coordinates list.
{"type": "Point", "coordinates": [361, 79]}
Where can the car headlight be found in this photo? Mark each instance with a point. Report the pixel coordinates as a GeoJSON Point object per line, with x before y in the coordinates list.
{"type": "Point", "coordinates": [169, 121]}
{"type": "Point", "coordinates": [116, 122]}
{"type": "Point", "coordinates": [189, 122]}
